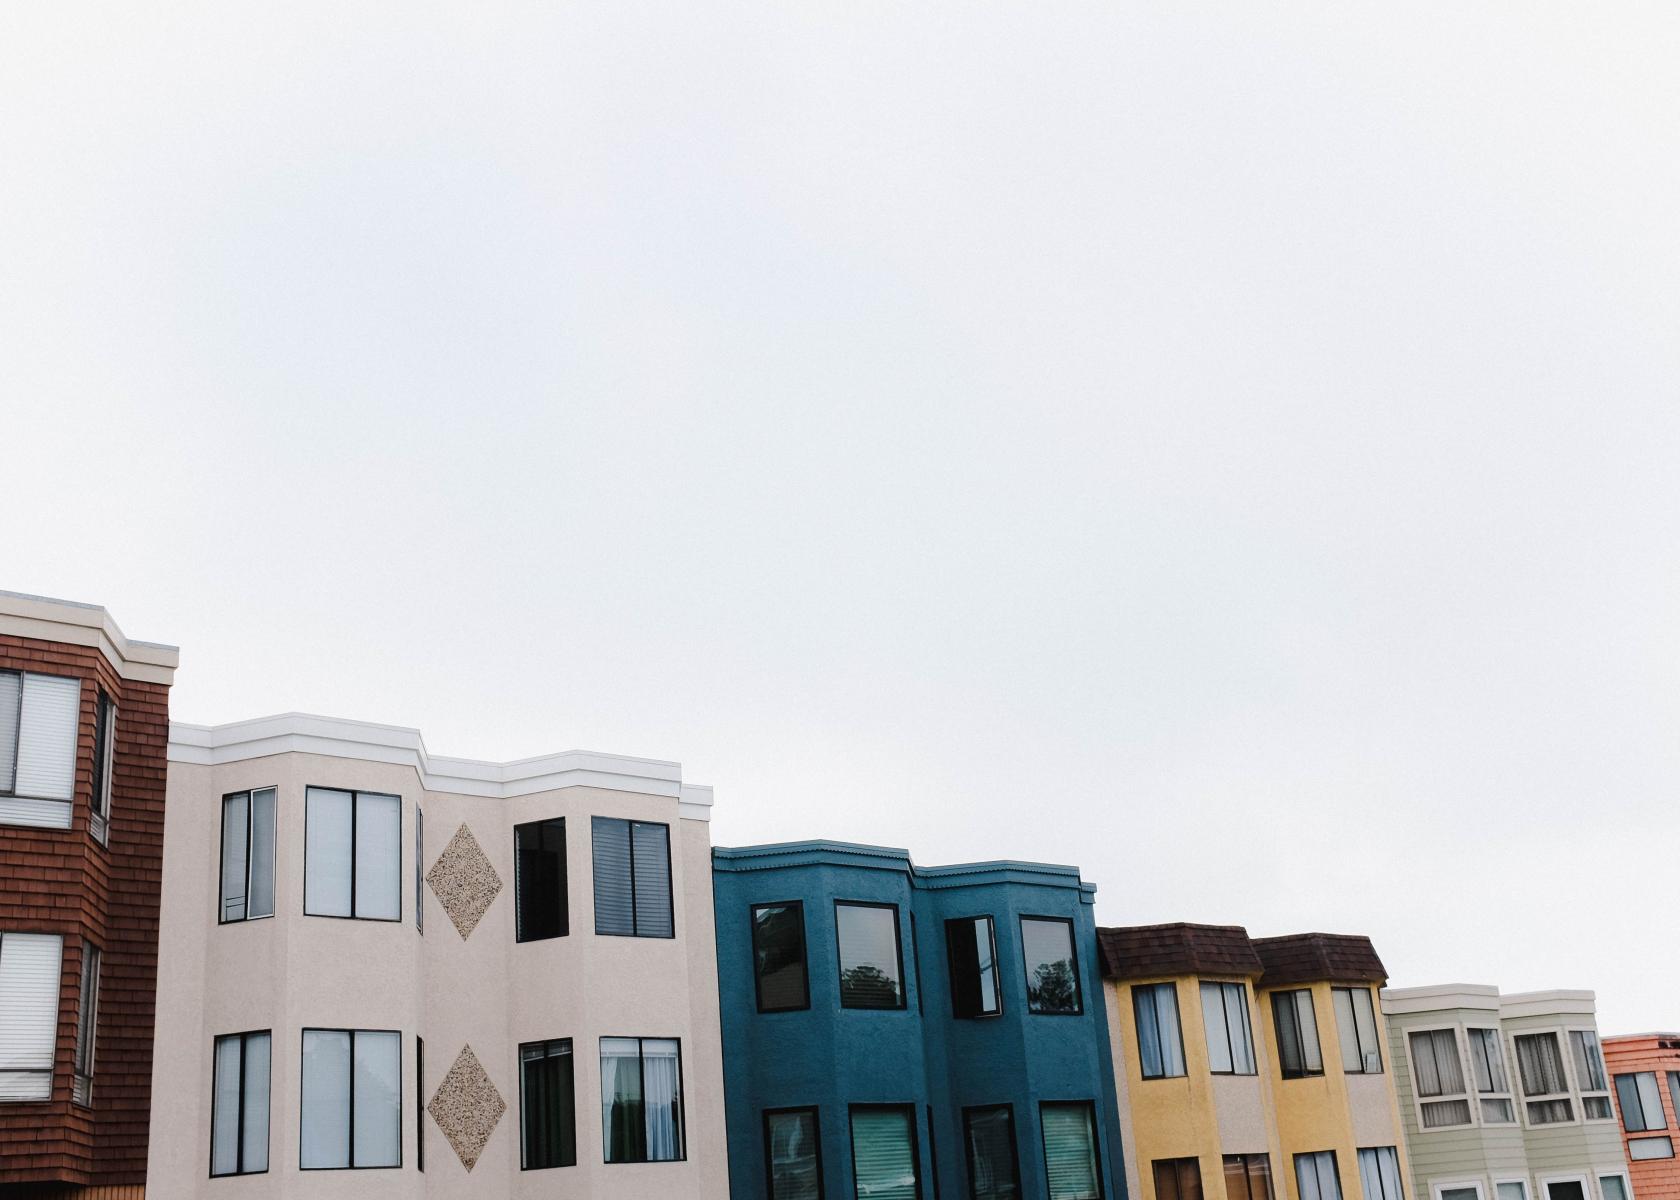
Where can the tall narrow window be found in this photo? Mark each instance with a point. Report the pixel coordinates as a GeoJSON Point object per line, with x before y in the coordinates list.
{"type": "Point", "coordinates": [1487, 1067]}
{"type": "Point", "coordinates": [1674, 1092]}
{"type": "Point", "coordinates": [886, 1164]}
{"type": "Point", "coordinates": [1379, 1173]}
{"type": "Point", "coordinates": [1178, 1179]}
{"type": "Point", "coordinates": [793, 1154]}
{"type": "Point", "coordinates": [547, 1108]}
{"type": "Point", "coordinates": [994, 1167]}
{"type": "Point", "coordinates": [1316, 1176]}
{"type": "Point", "coordinates": [971, 947]}
{"type": "Point", "coordinates": [1356, 1029]}
{"type": "Point", "coordinates": [871, 955]}
{"type": "Point", "coordinates": [239, 1104]}
{"type": "Point", "coordinates": [1589, 1075]}
{"type": "Point", "coordinates": [539, 880]}
{"type": "Point", "coordinates": [641, 1099]}
{"type": "Point", "coordinates": [104, 759]}
{"type": "Point", "coordinates": [1544, 1084]}
{"type": "Point", "coordinates": [1438, 1073]}
{"type": "Point", "coordinates": [40, 717]}
{"type": "Point", "coordinates": [87, 1024]}
{"type": "Point", "coordinates": [779, 973]}
{"type": "Point", "coordinates": [352, 1099]}
{"type": "Point", "coordinates": [1641, 1100]}
{"type": "Point", "coordinates": [1160, 1040]}
{"type": "Point", "coordinates": [419, 870]}
{"type": "Point", "coordinates": [1071, 1166]}
{"type": "Point", "coordinates": [30, 966]}
{"type": "Point", "coordinates": [1297, 1034]}
{"type": "Point", "coordinates": [1052, 969]}
{"type": "Point", "coordinates": [632, 878]}
{"type": "Point", "coordinates": [1230, 1037]}
{"type": "Point", "coordinates": [420, 1103]}
{"type": "Point", "coordinates": [352, 855]}
{"type": "Point", "coordinates": [1248, 1177]}
{"type": "Point", "coordinates": [247, 855]}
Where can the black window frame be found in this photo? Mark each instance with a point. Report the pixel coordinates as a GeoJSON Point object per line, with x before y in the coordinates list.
{"type": "Point", "coordinates": [419, 1103]}
{"type": "Point", "coordinates": [1376, 1024]}
{"type": "Point", "coordinates": [239, 1118]}
{"type": "Point", "coordinates": [519, 903]}
{"type": "Point", "coordinates": [104, 765]}
{"type": "Point", "coordinates": [355, 795]}
{"type": "Point", "coordinates": [1090, 1108]}
{"type": "Point", "coordinates": [908, 1110]}
{"type": "Point", "coordinates": [350, 1121]}
{"type": "Point", "coordinates": [1303, 1071]}
{"type": "Point", "coordinates": [1154, 988]}
{"type": "Point", "coordinates": [570, 1054]}
{"type": "Point", "coordinates": [898, 946]}
{"type": "Point", "coordinates": [1224, 986]}
{"type": "Point", "coordinates": [1078, 1009]}
{"type": "Point", "coordinates": [1247, 1161]}
{"type": "Point", "coordinates": [221, 855]}
{"type": "Point", "coordinates": [419, 870]}
{"type": "Point", "coordinates": [87, 1025]}
{"type": "Point", "coordinates": [957, 1009]}
{"type": "Point", "coordinates": [769, 1151]}
{"type": "Point", "coordinates": [1621, 1101]}
{"type": "Point", "coordinates": [804, 958]}
{"type": "Point", "coordinates": [630, 844]}
{"type": "Point", "coordinates": [1177, 1167]}
{"type": "Point", "coordinates": [968, 1114]}
{"type": "Point", "coordinates": [641, 1067]}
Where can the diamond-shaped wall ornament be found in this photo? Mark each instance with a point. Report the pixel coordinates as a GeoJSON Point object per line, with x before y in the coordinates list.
{"type": "Point", "coordinates": [467, 1106]}
{"type": "Point", "coordinates": [464, 881]}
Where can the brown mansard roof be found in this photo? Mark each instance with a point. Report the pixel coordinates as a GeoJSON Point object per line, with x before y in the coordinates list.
{"type": "Point", "coordinates": [1319, 958]}
{"type": "Point", "coordinates": [1151, 951]}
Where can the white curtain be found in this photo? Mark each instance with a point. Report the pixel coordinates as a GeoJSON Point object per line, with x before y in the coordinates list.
{"type": "Point", "coordinates": [378, 857]}
{"type": "Point", "coordinates": [326, 853]}
{"type": "Point", "coordinates": [661, 1092]}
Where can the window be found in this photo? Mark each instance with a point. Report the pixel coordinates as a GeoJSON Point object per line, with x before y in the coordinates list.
{"type": "Point", "coordinates": [547, 1109]}
{"type": "Point", "coordinates": [87, 1024]}
{"type": "Point", "coordinates": [1645, 1149]}
{"type": "Point", "coordinates": [1487, 1064]}
{"type": "Point", "coordinates": [352, 855]}
{"type": "Point", "coordinates": [971, 946]}
{"type": "Point", "coordinates": [239, 1104]}
{"type": "Point", "coordinates": [1439, 1076]}
{"type": "Point", "coordinates": [1297, 1033]}
{"type": "Point", "coordinates": [632, 878]}
{"type": "Point", "coordinates": [1510, 1189]}
{"type": "Point", "coordinates": [778, 937]}
{"type": "Point", "coordinates": [1641, 1101]}
{"type": "Point", "coordinates": [1230, 1038]}
{"type": "Point", "coordinates": [39, 724]}
{"type": "Point", "coordinates": [1356, 1029]}
{"type": "Point", "coordinates": [1545, 1087]}
{"type": "Point", "coordinates": [886, 1164]}
{"type": "Point", "coordinates": [1379, 1173]}
{"type": "Point", "coordinates": [104, 757]}
{"type": "Point", "coordinates": [1160, 1040]}
{"type": "Point", "coordinates": [1052, 970]}
{"type": "Point", "coordinates": [30, 966]}
{"type": "Point", "coordinates": [641, 1099]}
{"type": "Point", "coordinates": [419, 869]}
{"type": "Point", "coordinates": [1566, 1189]}
{"type": "Point", "coordinates": [1315, 1176]}
{"type": "Point", "coordinates": [1178, 1179]}
{"type": "Point", "coordinates": [1589, 1075]}
{"type": "Point", "coordinates": [1463, 1191]}
{"type": "Point", "coordinates": [247, 855]}
{"type": "Point", "coordinates": [352, 1099]}
{"type": "Point", "coordinates": [1070, 1151]}
{"type": "Point", "coordinates": [539, 880]}
{"type": "Point", "coordinates": [420, 1103]}
{"type": "Point", "coordinates": [1613, 1187]}
{"type": "Point", "coordinates": [871, 958]}
{"type": "Point", "coordinates": [793, 1154]}
{"type": "Point", "coordinates": [1248, 1177]}
{"type": "Point", "coordinates": [994, 1167]}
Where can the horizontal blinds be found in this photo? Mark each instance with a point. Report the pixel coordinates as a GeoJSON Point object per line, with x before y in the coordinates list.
{"type": "Point", "coordinates": [614, 910]}
{"type": "Point", "coordinates": [650, 846]}
{"type": "Point", "coordinates": [224, 1116]}
{"type": "Point", "coordinates": [46, 753]}
{"type": "Point", "coordinates": [236, 812]}
{"type": "Point", "coordinates": [324, 1135]}
{"type": "Point", "coordinates": [30, 966]}
{"type": "Point", "coordinates": [378, 857]}
{"type": "Point", "coordinates": [793, 1155]}
{"type": "Point", "coordinates": [254, 1137]}
{"type": "Point", "coordinates": [884, 1154]}
{"type": "Point", "coordinates": [376, 1075]}
{"type": "Point", "coordinates": [1070, 1153]}
{"type": "Point", "coordinates": [326, 853]}
{"type": "Point", "coordinates": [11, 685]}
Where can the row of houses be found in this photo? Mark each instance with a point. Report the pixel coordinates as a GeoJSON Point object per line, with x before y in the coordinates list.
{"type": "Point", "coordinates": [301, 956]}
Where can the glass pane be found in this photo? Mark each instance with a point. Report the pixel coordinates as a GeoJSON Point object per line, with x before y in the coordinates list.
{"type": "Point", "coordinates": [793, 1156]}
{"type": "Point", "coordinates": [986, 962]}
{"type": "Point", "coordinates": [1540, 1065]}
{"type": "Point", "coordinates": [623, 1128]}
{"type": "Point", "coordinates": [1052, 985]}
{"type": "Point", "coordinates": [1440, 1114]}
{"type": "Point", "coordinates": [1218, 1037]}
{"type": "Point", "coordinates": [1291, 1058]}
{"type": "Point", "coordinates": [1347, 1031]}
{"type": "Point", "coordinates": [539, 873]}
{"type": "Point", "coordinates": [1070, 1152]}
{"type": "Point", "coordinates": [1460, 1194]}
{"type": "Point", "coordinates": [46, 754]}
{"type": "Point", "coordinates": [1566, 1189]}
{"type": "Point", "coordinates": [1633, 1113]}
{"type": "Point", "coordinates": [235, 813]}
{"type": "Point", "coordinates": [255, 1136]}
{"type": "Point", "coordinates": [326, 825]}
{"type": "Point", "coordinates": [869, 973]}
{"type": "Point", "coordinates": [224, 1120]}
{"type": "Point", "coordinates": [1236, 1021]}
{"type": "Point", "coordinates": [30, 968]}
{"type": "Point", "coordinates": [1589, 1063]}
{"type": "Point", "coordinates": [651, 850]}
{"type": "Point", "coordinates": [614, 912]}
{"type": "Point", "coordinates": [1613, 1187]}
{"type": "Point", "coordinates": [991, 1154]}
{"type": "Point", "coordinates": [1650, 1099]}
{"type": "Point", "coordinates": [1311, 1058]}
{"type": "Point", "coordinates": [1498, 1112]}
{"type": "Point", "coordinates": [547, 1105]}
{"type": "Point", "coordinates": [1172, 1036]}
{"type": "Point", "coordinates": [1644, 1149]}
{"type": "Point", "coordinates": [261, 902]}
{"type": "Point", "coordinates": [11, 687]}
{"type": "Point", "coordinates": [378, 1113]}
{"type": "Point", "coordinates": [378, 857]}
{"type": "Point", "coordinates": [883, 1154]}
{"type": "Point", "coordinates": [1148, 1031]}
{"type": "Point", "coordinates": [779, 956]}
{"type": "Point", "coordinates": [662, 1098]}
{"type": "Point", "coordinates": [325, 1134]}
{"type": "Point", "coordinates": [1510, 1190]}
{"type": "Point", "coordinates": [1365, 1021]}
{"type": "Point", "coordinates": [87, 1009]}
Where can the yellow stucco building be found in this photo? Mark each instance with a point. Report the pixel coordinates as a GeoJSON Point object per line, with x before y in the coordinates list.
{"type": "Point", "coordinates": [1251, 1069]}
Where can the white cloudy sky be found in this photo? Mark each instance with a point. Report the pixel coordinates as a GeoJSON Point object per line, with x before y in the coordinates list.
{"type": "Point", "coordinates": [1230, 447]}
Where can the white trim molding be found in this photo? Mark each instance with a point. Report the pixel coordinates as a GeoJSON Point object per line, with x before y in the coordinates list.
{"type": "Point", "coordinates": [49, 620]}
{"type": "Point", "coordinates": [335, 737]}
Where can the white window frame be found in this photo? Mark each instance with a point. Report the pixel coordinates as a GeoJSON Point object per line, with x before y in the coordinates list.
{"type": "Point", "coordinates": [65, 803]}
{"type": "Point", "coordinates": [1542, 1183]}
{"type": "Point", "coordinates": [1581, 1094]}
{"type": "Point", "coordinates": [1438, 1186]}
{"type": "Point", "coordinates": [1461, 1041]}
{"type": "Point", "coordinates": [1520, 1180]}
{"type": "Point", "coordinates": [1509, 1095]}
{"type": "Point", "coordinates": [1625, 1176]}
{"type": "Point", "coordinates": [1572, 1092]}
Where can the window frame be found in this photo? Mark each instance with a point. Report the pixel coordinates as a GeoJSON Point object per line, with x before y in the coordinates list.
{"type": "Point", "coordinates": [1624, 1175]}
{"type": "Point", "coordinates": [419, 1104]}
{"type": "Point", "coordinates": [419, 869]}
{"type": "Point", "coordinates": [350, 1121]}
{"type": "Point", "coordinates": [804, 959]}
{"type": "Point", "coordinates": [524, 1107]}
{"type": "Point", "coordinates": [769, 1151]}
{"type": "Point", "coordinates": [1571, 1092]}
{"type": "Point", "coordinates": [641, 1067]}
{"type": "Point", "coordinates": [1090, 1107]}
{"type": "Point", "coordinates": [1177, 1165]}
{"type": "Point", "coordinates": [1509, 1095]}
{"type": "Point", "coordinates": [1399, 1166]}
{"type": "Point", "coordinates": [519, 935]}
{"type": "Point", "coordinates": [983, 1014]}
{"type": "Point", "coordinates": [1335, 1169]}
{"type": "Point", "coordinates": [355, 795]}
{"type": "Point", "coordinates": [1078, 1009]}
{"type": "Point", "coordinates": [1438, 1187]}
{"type": "Point", "coordinates": [1294, 1006]}
{"type": "Point", "coordinates": [1224, 1012]}
{"type": "Point", "coordinates": [1465, 1073]}
{"type": "Point", "coordinates": [51, 1072]}
{"type": "Point", "coordinates": [968, 1113]}
{"type": "Point", "coordinates": [1178, 1018]}
{"type": "Point", "coordinates": [244, 1037]}
{"type": "Point", "coordinates": [915, 1139]}
{"type": "Point", "coordinates": [1246, 1160]}
{"type": "Point", "coordinates": [1350, 990]}
{"type": "Point", "coordinates": [630, 844]}
{"type": "Point", "coordinates": [12, 793]}
{"type": "Point", "coordinates": [1621, 1103]}
{"type": "Point", "coordinates": [1582, 1092]}
{"type": "Point", "coordinates": [83, 1053]}
{"type": "Point", "coordinates": [250, 839]}
{"type": "Point", "coordinates": [898, 945]}
{"type": "Point", "coordinates": [104, 765]}
{"type": "Point", "coordinates": [1543, 1183]}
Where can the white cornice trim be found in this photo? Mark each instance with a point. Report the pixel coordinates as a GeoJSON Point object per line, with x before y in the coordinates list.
{"type": "Point", "coordinates": [1436, 997]}
{"type": "Point", "coordinates": [23, 615]}
{"type": "Point", "coordinates": [1571, 1001]}
{"type": "Point", "coordinates": [304, 733]}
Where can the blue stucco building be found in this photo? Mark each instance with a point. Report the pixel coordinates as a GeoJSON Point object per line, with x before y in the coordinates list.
{"type": "Point", "coordinates": [895, 1032]}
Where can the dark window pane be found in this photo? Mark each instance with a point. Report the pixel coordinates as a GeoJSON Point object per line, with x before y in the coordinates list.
{"type": "Point", "coordinates": [870, 975]}
{"type": "Point", "coordinates": [970, 946]}
{"type": "Point", "coordinates": [651, 855]}
{"type": "Point", "coordinates": [993, 1173]}
{"type": "Point", "coordinates": [539, 872]}
{"type": "Point", "coordinates": [1047, 951]}
{"type": "Point", "coordinates": [779, 956]}
{"type": "Point", "coordinates": [795, 1162]}
{"type": "Point", "coordinates": [547, 1105]}
{"type": "Point", "coordinates": [1178, 1179]}
{"type": "Point", "coordinates": [614, 909]}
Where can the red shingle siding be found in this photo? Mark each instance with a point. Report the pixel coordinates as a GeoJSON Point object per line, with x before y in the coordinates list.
{"type": "Point", "coordinates": [62, 881]}
{"type": "Point", "coordinates": [1658, 1178]}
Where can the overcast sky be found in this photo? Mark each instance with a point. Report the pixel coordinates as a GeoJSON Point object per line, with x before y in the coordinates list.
{"type": "Point", "coordinates": [1233, 448]}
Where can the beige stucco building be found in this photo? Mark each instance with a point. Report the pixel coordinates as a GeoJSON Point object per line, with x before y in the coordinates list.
{"type": "Point", "coordinates": [366, 991]}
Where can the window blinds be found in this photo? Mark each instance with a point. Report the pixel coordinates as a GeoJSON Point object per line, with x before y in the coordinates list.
{"type": "Point", "coordinates": [39, 716]}
{"type": "Point", "coordinates": [884, 1153]}
{"type": "Point", "coordinates": [30, 966]}
{"type": "Point", "coordinates": [1070, 1152]}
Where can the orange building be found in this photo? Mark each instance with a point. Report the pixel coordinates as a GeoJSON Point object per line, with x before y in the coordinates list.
{"type": "Point", "coordinates": [1645, 1068]}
